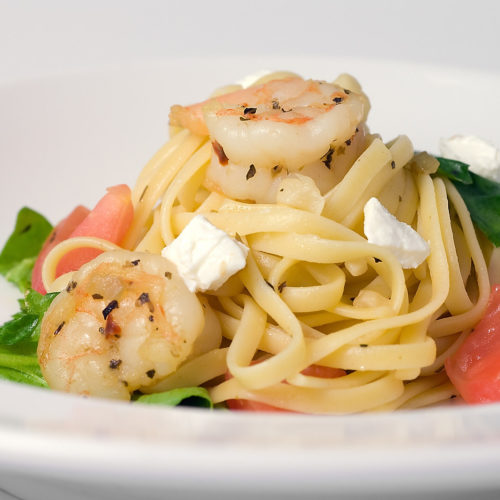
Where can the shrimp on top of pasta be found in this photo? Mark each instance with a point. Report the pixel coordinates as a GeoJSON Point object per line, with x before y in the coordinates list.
{"type": "Point", "coordinates": [289, 260]}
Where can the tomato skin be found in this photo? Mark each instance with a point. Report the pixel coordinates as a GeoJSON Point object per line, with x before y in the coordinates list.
{"type": "Point", "coordinates": [249, 405]}
{"type": "Point", "coordinates": [474, 369]}
{"type": "Point", "coordinates": [109, 220]}
{"type": "Point", "coordinates": [60, 233]}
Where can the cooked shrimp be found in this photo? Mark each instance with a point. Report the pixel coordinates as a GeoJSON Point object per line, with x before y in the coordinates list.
{"type": "Point", "coordinates": [287, 123]}
{"type": "Point", "coordinates": [261, 185]}
{"type": "Point", "coordinates": [125, 321]}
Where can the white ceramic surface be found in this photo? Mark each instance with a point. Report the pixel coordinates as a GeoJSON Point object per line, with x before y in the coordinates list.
{"type": "Point", "coordinates": [71, 136]}
{"type": "Point", "coordinates": [86, 109]}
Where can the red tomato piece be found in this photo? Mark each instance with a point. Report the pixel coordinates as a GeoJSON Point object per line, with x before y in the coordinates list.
{"type": "Point", "coordinates": [474, 369]}
{"type": "Point", "coordinates": [312, 371]}
{"type": "Point", "coordinates": [109, 220]}
{"type": "Point", "coordinates": [60, 233]}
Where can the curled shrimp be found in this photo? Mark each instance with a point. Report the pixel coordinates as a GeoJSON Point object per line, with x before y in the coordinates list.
{"type": "Point", "coordinates": [261, 185]}
{"type": "Point", "coordinates": [287, 123]}
{"type": "Point", "coordinates": [125, 321]}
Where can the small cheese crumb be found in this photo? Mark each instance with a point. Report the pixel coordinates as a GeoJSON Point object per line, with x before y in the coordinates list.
{"type": "Point", "coordinates": [481, 156]}
{"type": "Point", "coordinates": [383, 229]}
{"type": "Point", "coordinates": [205, 256]}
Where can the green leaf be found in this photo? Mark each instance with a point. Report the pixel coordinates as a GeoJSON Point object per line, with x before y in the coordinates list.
{"type": "Point", "coordinates": [25, 324]}
{"type": "Point", "coordinates": [24, 244]}
{"type": "Point", "coordinates": [21, 327]}
{"type": "Point", "coordinates": [480, 195]}
{"type": "Point", "coordinates": [185, 396]}
{"type": "Point", "coordinates": [20, 273]}
{"type": "Point", "coordinates": [19, 363]}
{"type": "Point", "coordinates": [454, 170]}
{"type": "Point", "coordinates": [23, 377]}
{"type": "Point", "coordinates": [482, 198]}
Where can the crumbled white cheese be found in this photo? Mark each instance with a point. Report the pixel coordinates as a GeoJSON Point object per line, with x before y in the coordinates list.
{"type": "Point", "coordinates": [383, 229]}
{"type": "Point", "coordinates": [481, 156]}
{"type": "Point", "coordinates": [205, 256]}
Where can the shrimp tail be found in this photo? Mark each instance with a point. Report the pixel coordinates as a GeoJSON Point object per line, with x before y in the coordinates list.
{"type": "Point", "coordinates": [190, 117]}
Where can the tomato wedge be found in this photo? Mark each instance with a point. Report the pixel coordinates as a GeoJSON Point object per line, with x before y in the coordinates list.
{"type": "Point", "coordinates": [313, 371]}
{"type": "Point", "coordinates": [60, 233]}
{"type": "Point", "coordinates": [109, 220]}
{"type": "Point", "coordinates": [474, 369]}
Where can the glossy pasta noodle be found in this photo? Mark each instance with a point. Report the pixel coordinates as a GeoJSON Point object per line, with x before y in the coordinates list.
{"type": "Point", "coordinates": [314, 290]}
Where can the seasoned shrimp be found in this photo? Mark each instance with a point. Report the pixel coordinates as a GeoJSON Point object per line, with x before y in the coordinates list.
{"type": "Point", "coordinates": [286, 123]}
{"type": "Point", "coordinates": [124, 322]}
{"type": "Point", "coordinates": [261, 185]}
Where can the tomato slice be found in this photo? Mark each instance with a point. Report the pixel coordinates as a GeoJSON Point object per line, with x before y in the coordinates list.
{"type": "Point", "coordinates": [60, 233]}
{"type": "Point", "coordinates": [109, 220]}
{"type": "Point", "coordinates": [313, 371]}
{"type": "Point", "coordinates": [474, 369]}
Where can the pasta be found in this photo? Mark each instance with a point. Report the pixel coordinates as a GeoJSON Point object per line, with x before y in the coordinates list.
{"type": "Point", "coordinates": [314, 292]}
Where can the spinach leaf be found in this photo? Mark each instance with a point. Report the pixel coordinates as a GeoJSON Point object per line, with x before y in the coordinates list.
{"type": "Point", "coordinates": [24, 244]}
{"type": "Point", "coordinates": [19, 338]}
{"type": "Point", "coordinates": [20, 364]}
{"type": "Point", "coordinates": [185, 396]}
{"type": "Point", "coordinates": [23, 377]}
{"type": "Point", "coordinates": [454, 170]}
{"type": "Point", "coordinates": [481, 196]}
{"type": "Point", "coordinates": [25, 324]}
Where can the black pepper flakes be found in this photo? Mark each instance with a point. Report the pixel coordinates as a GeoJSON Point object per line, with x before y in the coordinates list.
{"type": "Point", "coordinates": [52, 236]}
{"type": "Point", "coordinates": [453, 396]}
{"type": "Point", "coordinates": [276, 105]}
{"type": "Point", "coordinates": [337, 100]}
{"type": "Point", "coordinates": [168, 275]}
{"type": "Point", "coordinates": [59, 328]}
{"type": "Point", "coordinates": [143, 299]}
{"type": "Point", "coordinates": [101, 330]}
{"type": "Point", "coordinates": [377, 260]}
{"type": "Point", "coordinates": [151, 318]}
{"type": "Point", "coordinates": [348, 372]}
{"type": "Point", "coordinates": [115, 363]}
{"type": "Point", "coordinates": [251, 172]}
{"type": "Point", "coordinates": [112, 305]}
{"type": "Point", "coordinates": [25, 229]}
{"type": "Point", "coordinates": [347, 91]}
{"type": "Point", "coordinates": [281, 286]}
{"type": "Point", "coordinates": [348, 142]}
{"type": "Point", "coordinates": [328, 159]}
{"type": "Point", "coordinates": [393, 164]}
{"type": "Point", "coordinates": [269, 284]}
{"type": "Point", "coordinates": [135, 262]}
{"type": "Point", "coordinates": [71, 286]}
{"type": "Point", "coordinates": [151, 373]}
{"type": "Point", "coordinates": [243, 119]}
{"type": "Point", "coordinates": [363, 345]}
{"type": "Point", "coordinates": [143, 193]}
{"type": "Point", "coordinates": [249, 111]}
{"type": "Point", "coordinates": [97, 296]}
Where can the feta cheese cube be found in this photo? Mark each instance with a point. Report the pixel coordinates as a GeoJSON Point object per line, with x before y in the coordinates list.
{"type": "Point", "coordinates": [481, 156]}
{"type": "Point", "coordinates": [205, 256]}
{"type": "Point", "coordinates": [383, 229]}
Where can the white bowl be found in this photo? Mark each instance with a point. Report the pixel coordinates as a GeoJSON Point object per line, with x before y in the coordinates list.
{"type": "Point", "coordinates": [63, 140]}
